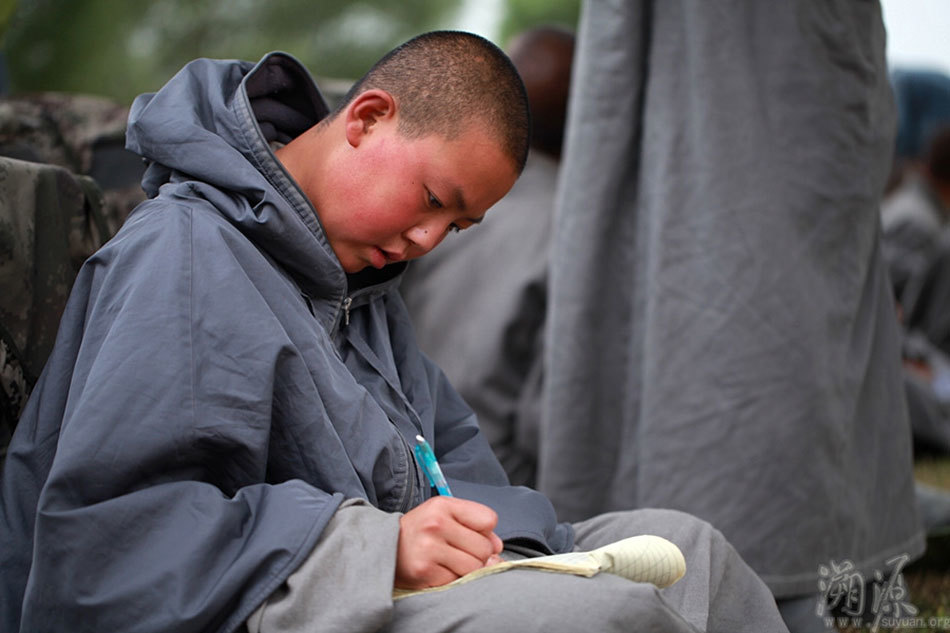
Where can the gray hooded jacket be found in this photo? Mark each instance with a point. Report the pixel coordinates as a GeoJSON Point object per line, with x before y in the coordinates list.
{"type": "Point", "coordinates": [219, 385]}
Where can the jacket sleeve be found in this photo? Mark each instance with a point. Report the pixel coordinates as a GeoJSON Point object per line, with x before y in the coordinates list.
{"type": "Point", "coordinates": [470, 467]}
{"type": "Point", "coordinates": [156, 514]}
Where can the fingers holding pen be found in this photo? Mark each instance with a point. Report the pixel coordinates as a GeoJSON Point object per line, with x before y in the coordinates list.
{"type": "Point", "coordinates": [442, 539]}
{"type": "Point", "coordinates": [459, 523]}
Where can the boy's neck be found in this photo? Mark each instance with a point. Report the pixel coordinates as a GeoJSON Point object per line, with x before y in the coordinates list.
{"type": "Point", "coordinates": [306, 157]}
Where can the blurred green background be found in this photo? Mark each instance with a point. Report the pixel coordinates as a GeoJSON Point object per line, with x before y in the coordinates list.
{"type": "Point", "coordinates": [120, 48]}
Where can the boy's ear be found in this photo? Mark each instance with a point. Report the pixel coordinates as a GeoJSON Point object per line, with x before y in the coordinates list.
{"type": "Point", "coordinates": [366, 111]}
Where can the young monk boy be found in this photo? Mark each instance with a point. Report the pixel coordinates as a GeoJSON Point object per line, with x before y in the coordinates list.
{"type": "Point", "coordinates": [222, 437]}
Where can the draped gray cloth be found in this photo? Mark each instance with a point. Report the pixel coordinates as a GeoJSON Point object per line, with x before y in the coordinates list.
{"type": "Point", "coordinates": [722, 336]}
{"type": "Point", "coordinates": [718, 594]}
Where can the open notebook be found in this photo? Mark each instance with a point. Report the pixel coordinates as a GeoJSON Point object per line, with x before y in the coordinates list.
{"type": "Point", "coordinates": [644, 558]}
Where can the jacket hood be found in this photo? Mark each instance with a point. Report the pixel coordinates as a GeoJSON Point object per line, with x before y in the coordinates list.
{"type": "Point", "coordinates": [206, 133]}
{"type": "Point", "coordinates": [213, 118]}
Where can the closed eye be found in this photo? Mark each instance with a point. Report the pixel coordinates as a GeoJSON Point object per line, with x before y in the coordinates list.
{"type": "Point", "coordinates": [467, 223]}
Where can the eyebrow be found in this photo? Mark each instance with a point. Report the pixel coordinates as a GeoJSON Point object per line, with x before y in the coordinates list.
{"type": "Point", "coordinates": [459, 199]}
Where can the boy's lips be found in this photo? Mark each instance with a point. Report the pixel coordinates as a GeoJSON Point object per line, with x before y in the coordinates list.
{"type": "Point", "coordinates": [380, 257]}
{"type": "Point", "coordinates": [377, 257]}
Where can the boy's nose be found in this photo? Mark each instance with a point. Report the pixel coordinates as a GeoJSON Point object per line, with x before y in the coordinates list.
{"type": "Point", "coordinates": [425, 236]}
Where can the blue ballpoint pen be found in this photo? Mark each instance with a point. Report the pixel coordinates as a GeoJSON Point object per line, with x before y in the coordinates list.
{"type": "Point", "coordinates": [431, 466]}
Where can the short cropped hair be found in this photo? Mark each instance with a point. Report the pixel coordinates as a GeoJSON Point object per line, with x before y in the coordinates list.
{"type": "Point", "coordinates": [443, 81]}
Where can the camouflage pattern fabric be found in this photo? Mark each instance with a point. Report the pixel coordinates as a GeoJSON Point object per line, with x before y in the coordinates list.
{"type": "Point", "coordinates": [13, 393]}
{"type": "Point", "coordinates": [50, 222]}
{"type": "Point", "coordinates": [84, 134]}
{"type": "Point", "coordinates": [52, 219]}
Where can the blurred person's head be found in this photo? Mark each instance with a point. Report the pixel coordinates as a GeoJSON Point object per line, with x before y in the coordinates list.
{"type": "Point", "coordinates": [543, 57]}
{"type": "Point", "coordinates": [937, 164]}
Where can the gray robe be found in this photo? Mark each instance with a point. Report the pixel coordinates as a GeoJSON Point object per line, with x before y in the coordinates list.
{"type": "Point", "coordinates": [722, 335]}
{"type": "Point", "coordinates": [718, 594]}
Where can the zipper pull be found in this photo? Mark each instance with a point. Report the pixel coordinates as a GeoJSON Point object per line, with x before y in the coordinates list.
{"type": "Point", "coordinates": [346, 310]}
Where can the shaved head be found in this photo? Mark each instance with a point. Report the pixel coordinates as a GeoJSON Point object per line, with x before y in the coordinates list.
{"type": "Point", "coordinates": [445, 81]}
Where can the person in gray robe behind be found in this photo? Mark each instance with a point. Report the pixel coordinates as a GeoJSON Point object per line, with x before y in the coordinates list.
{"type": "Point", "coordinates": [913, 216]}
{"type": "Point", "coordinates": [722, 337]}
{"type": "Point", "coordinates": [486, 334]}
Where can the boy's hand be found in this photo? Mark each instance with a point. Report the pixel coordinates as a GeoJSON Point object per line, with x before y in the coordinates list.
{"type": "Point", "coordinates": [442, 539]}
